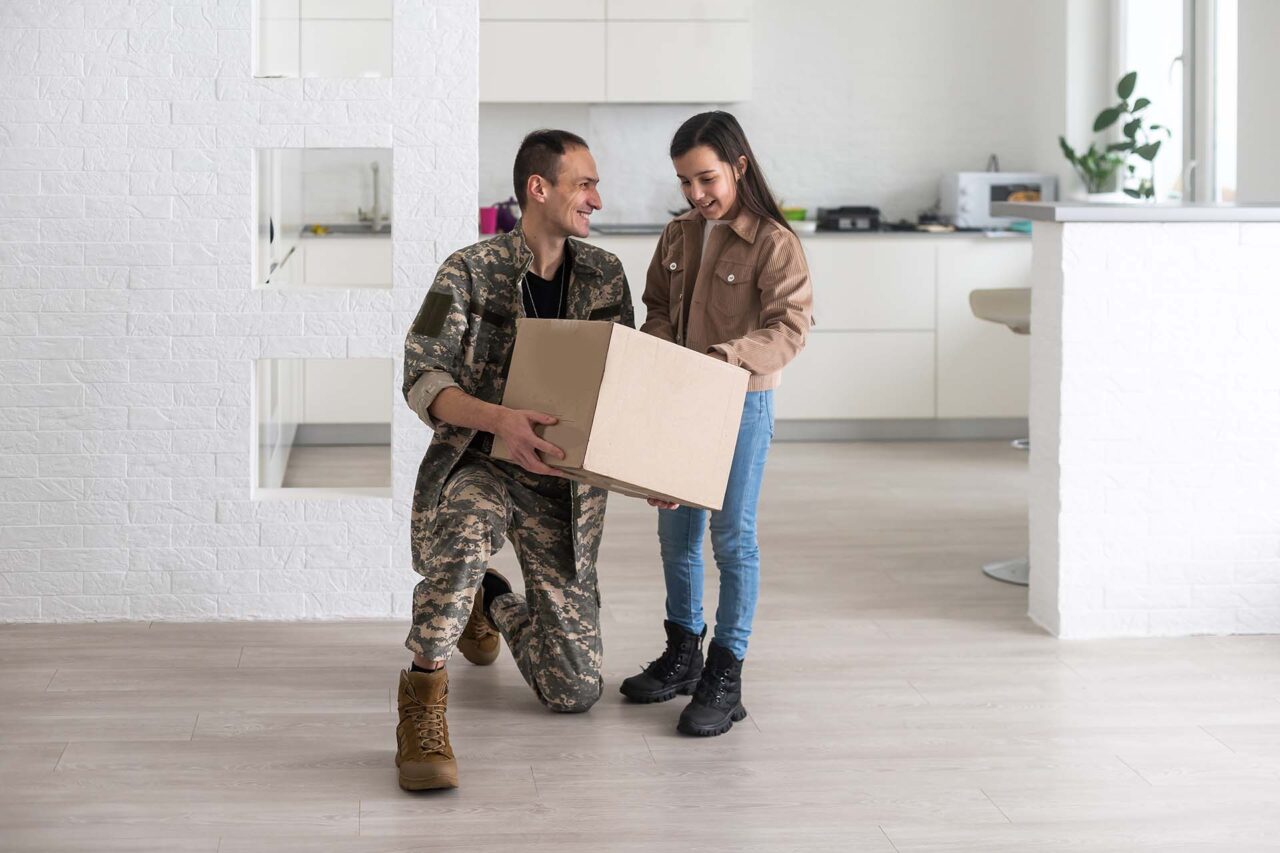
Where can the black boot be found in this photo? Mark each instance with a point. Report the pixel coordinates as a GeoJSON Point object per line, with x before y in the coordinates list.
{"type": "Point", "coordinates": [717, 702]}
{"type": "Point", "coordinates": [675, 672]}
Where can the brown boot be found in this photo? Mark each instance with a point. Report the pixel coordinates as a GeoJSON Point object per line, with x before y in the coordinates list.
{"type": "Point", "coordinates": [424, 755]}
{"type": "Point", "coordinates": [480, 641]}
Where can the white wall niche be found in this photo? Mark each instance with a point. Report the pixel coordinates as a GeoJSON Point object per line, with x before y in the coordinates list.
{"type": "Point", "coordinates": [323, 218]}
{"type": "Point", "coordinates": [322, 38]}
{"type": "Point", "coordinates": [322, 427]}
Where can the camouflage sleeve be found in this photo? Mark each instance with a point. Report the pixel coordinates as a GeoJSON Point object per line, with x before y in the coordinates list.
{"type": "Point", "coordinates": [433, 347]}
{"type": "Point", "coordinates": [628, 308]}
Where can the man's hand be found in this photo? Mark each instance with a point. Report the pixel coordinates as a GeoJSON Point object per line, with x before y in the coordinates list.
{"type": "Point", "coordinates": [663, 504]}
{"type": "Point", "coordinates": [516, 428]}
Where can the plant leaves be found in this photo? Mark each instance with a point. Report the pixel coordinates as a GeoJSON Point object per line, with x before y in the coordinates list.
{"type": "Point", "coordinates": [1067, 150]}
{"type": "Point", "coordinates": [1132, 193]}
{"type": "Point", "coordinates": [1148, 152]}
{"type": "Point", "coordinates": [1140, 104]}
{"type": "Point", "coordinates": [1121, 146]}
{"type": "Point", "coordinates": [1106, 118]}
{"type": "Point", "coordinates": [1125, 87]}
{"type": "Point", "coordinates": [1131, 128]}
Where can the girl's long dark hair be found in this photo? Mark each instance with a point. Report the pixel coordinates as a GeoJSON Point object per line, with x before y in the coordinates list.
{"type": "Point", "coordinates": [720, 132]}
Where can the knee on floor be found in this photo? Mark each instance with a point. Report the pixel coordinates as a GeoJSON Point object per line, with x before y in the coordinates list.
{"type": "Point", "coordinates": [572, 699]}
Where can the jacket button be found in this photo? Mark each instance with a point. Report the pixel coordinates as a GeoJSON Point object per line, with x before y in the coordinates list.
{"type": "Point", "coordinates": [673, 266]}
{"type": "Point", "coordinates": [730, 278]}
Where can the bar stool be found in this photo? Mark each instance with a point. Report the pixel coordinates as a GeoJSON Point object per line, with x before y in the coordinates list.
{"type": "Point", "coordinates": [1010, 307]}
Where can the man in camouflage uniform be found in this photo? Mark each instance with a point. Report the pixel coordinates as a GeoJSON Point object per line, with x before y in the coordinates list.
{"type": "Point", "coordinates": [456, 359]}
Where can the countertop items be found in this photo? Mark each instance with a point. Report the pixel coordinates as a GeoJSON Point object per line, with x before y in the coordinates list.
{"type": "Point", "coordinates": [346, 229]}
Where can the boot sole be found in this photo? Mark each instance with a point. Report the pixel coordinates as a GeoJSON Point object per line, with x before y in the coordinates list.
{"type": "Point", "coordinates": [477, 657]}
{"type": "Point", "coordinates": [736, 716]}
{"type": "Point", "coordinates": [684, 688]}
{"type": "Point", "coordinates": [428, 784]}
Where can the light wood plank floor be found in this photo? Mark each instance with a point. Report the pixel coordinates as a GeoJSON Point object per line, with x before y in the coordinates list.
{"type": "Point", "coordinates": [899, 701]}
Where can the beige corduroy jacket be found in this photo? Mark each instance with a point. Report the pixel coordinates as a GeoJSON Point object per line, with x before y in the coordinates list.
{"type": "Point", "coordinates": [752, 299]}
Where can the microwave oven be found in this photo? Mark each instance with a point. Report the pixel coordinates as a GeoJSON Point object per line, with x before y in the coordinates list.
{"type": "Point", "coordinates": [966, 197]}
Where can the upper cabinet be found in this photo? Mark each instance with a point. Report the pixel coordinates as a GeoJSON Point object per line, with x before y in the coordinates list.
{"type": "Point", "coordinates": [323, 38]}
{"type": "Point", "coordinates": [615, 51]}
{"type": "Point", "coordinates": [516, 66]}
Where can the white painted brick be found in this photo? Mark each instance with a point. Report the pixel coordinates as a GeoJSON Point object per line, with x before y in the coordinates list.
{"type": "Point", "coordinates": [80, 608]}
{"type": "Point", "coordinates": [126, 583]}
{"type": "Point", "coordinates": [128, 324]}
{"type": "Point", "coordinates": [173, 607]}
{"type": "Point", "coordinates": [216, 582]}
{"type": "Point", "coordinates": [263, 606]}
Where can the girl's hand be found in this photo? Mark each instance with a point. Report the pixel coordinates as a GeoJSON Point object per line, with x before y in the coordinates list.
{"type": "Point", "coordinates": [663, 504]}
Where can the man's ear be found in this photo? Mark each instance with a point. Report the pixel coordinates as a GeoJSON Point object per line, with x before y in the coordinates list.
{"type": "Point", "coordinates": [536, 189]}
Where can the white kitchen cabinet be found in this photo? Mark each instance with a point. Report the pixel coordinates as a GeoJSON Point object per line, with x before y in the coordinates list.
{"type": "Point", "coordinates": [859, 375]}
{"type": "Point", "coordinates": [864, 283]}
{"type": "Point", "coordinates": [347, 391]}
{"type": "Point", "coordinates": [895, 337]}
{"type": "Point", "coordinates": [569, 65]}
{"type": "Point", "coordinates": [345, 48]}
{"type": "Point", "coordinates": [543, 10]}
{"type": "Point", "coordinates": [346, 262]}
{"type": "Point", "coordinates": [983, 367]}
{"type": "Point", "coordinates": [667, 61]}
{"type": "Point", "coordinates": [679, 10]}
{"type": "Point", "coordinates": [635, 252]}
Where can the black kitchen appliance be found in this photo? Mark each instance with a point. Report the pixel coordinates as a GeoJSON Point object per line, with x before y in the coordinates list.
{"type": "Point", "coordinates": [848, 218]}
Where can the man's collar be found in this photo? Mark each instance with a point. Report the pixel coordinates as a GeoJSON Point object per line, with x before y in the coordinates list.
{"type": "Point", "coordinates": [572, 249]}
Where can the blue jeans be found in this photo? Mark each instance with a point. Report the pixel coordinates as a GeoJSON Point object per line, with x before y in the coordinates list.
{"type": "Point", "coordinates": [733, 539]}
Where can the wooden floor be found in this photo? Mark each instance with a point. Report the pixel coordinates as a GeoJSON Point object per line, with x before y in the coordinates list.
{"type": "Point", "coordinates": [338, 465]}
{"type": "Point", "coordinates": [899, 701]}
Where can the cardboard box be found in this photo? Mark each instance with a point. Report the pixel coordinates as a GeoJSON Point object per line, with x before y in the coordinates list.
{"type": "Point", "coordinates": [638, 415]}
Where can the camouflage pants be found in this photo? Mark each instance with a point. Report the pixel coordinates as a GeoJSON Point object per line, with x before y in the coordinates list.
{"type": "Point", "coordinates": [554, 630]}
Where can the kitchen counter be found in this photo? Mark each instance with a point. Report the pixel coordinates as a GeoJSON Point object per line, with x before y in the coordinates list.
{"type": "Point", "coordinates": [828, 235]}
{"type": "Point", "coordinates": [1067, 211]}
{"type": "Point", "coordinates": [346, 231]}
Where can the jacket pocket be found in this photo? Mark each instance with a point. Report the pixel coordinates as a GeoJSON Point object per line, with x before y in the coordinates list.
{"type": "Point", "coordinates": [493, 337]}
{"type": "Point", "coordinates": [732, 293]}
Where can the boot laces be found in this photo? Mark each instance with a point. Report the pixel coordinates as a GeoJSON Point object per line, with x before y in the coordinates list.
{"type": "Point", "coordinates": [430, 725]}
{"type": "Point", "coordinates": [713, 686]}
{"type": "Point", "coordinates": [478, 629]}
{"type": "Point", "coordinates": [668, 664]}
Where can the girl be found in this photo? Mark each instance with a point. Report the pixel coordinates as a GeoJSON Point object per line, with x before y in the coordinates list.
{"type": "Point", "coordinates": [729, 279]}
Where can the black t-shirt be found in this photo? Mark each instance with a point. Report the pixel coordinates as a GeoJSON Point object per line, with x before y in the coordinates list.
{"type": "Point", "coordinates": [545, 298]}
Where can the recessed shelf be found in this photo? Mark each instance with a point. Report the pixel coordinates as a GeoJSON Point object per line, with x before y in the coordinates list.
{"type": "Point", "coordinates": [322, 428]}
{"type": "Point", "coordinates": [323, 218]}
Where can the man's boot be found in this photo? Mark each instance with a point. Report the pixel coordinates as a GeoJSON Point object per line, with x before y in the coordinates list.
{"type": "Point", "coordinates": [423, 753]}
{"type": "Point", "coordinates": [717, 701]}
{"type": "Point", "coordinates": [676, 671]}
{"type": "Point", "coordinates": [480, 641]}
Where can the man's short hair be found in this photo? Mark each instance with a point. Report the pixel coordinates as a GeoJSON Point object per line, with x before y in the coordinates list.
{"type": "Point", "coordinates": [540, 154]}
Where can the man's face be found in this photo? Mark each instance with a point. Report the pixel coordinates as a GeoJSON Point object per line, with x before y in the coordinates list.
{"type": "Point", "coordinates": [572, 199]}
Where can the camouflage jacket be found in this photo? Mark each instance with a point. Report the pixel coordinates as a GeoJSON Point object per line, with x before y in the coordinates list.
{"type": "Point", "coordinates": [463, 337]}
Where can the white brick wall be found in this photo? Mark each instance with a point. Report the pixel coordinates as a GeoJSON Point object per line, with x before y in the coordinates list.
{"type": "Point", "coordinates": [1155, 411]}
{"type": "Point", "coordinates": [128, 322]}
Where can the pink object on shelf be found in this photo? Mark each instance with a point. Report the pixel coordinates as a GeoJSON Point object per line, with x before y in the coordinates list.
{"type": "Point", "coordinates": [488, 220]}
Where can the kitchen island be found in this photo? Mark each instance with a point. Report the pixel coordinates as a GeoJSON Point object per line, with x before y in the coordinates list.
{"type": "Point", "coordinates": [1154, 503]}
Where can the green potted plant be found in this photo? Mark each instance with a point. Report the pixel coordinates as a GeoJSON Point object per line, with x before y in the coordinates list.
{"type": "Point", "coordinates": [1097, 167]}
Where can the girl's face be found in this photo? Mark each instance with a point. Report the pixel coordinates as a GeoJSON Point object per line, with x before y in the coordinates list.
{"type": "Point", "coordinates": [709, 183]}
